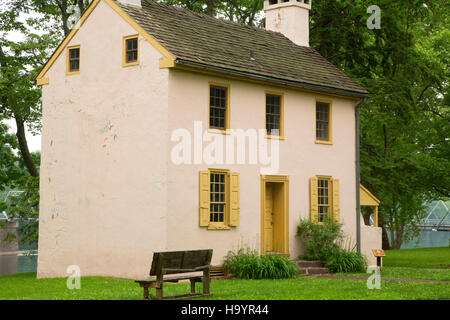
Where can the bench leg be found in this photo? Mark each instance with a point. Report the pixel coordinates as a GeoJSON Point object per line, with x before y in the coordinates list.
{"type": "Point", "coordinates": [159, 292]}
{"type": "Point", "coordinates": [192, 286]}
{"type": "Point", "coordinates": [206, 280]}
{"type": "Point", "coordinates": [146, 293]}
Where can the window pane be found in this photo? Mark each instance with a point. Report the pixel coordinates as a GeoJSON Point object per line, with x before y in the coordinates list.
{"type": "Point", "coordinates": [273, 113]}
{"type": "Point", "coordinates": [218, 107]}
{"type": "Point", "coordinates": [217, 197]}
{"type": "Point", "coordinates": [322, 121]}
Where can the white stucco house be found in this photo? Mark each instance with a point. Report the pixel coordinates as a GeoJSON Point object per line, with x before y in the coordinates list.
{"type": "Point", "coordinates": [165, 129]}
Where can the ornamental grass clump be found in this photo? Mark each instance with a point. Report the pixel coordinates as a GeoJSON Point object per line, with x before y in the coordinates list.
{"type": "Point", "coordinates": [248, 264]}
{"type": "Point", "coordinates": [345, 261]}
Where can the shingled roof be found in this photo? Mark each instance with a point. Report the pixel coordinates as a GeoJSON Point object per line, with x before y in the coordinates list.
{"type": "Point", "coordinates": [201, 41]}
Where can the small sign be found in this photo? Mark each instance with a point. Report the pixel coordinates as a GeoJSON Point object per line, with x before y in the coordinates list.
{"type": "Point", "coordinates": [378, 253]}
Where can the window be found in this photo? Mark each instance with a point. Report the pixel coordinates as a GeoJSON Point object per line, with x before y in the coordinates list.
{"type": "Point", "coordinates": [219, 199]}
{"type": "Point", "coordinates": [217, 203]}
{"type": "Point", "coordinates": [274, 115]}
{"type": "Point", "coordinates": [323, 186]}
{"type": "Point", "coordinates": [324, 193]}
{"type": "Point", "coordinates": [73, 60]}
{"type": "Point", "coordinates": [219, 111]}
{"type": "Point", "coordinates": [130, 51]}
{"type": "Point", "coordinates": [323, 122]}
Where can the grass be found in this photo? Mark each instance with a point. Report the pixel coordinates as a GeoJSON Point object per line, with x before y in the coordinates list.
{"type": "Point", "coordinates": [26, 286]}
{"type": "Point", "coordinates": [420, 264]}
{"type": "Point", "coordinates": [429, 264]}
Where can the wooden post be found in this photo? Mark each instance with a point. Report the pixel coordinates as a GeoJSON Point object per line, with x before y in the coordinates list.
{"type": "Point", "coordinates": [375, 216]}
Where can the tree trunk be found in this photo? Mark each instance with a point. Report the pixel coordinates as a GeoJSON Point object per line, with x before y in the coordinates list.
{"type": "Point", "coordinates": [23, 146]}
{"type": "Point", "coordinates": [211, 7]}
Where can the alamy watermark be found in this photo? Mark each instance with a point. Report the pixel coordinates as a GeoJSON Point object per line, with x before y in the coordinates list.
{"type": "Point", "coordinates": [374, 21]}
{"type": "Point", "coordinates": [374, 280]}
{"type": "Point", "coordinates": [236, 146]}
{"type": "Point", "coordinates": [74, 280]}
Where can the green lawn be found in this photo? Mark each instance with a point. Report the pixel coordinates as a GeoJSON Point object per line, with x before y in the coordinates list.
{"type": "Point", "coordinates": [431, 264]}
{"type": "Point", "coordinates": [26, 286]}
{"type": "Point", "coordinates": [422, 263]}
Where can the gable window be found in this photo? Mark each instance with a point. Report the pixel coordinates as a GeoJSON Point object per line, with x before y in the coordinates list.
{"type": "Point", "coordinates": [274, 115]}
{"type": "Point", "coordinates": [130, 51]}
{"type": "Point", "coordinates": [219, 199]}
{"type": "Point", "coordinates": [219, 111]}
{"type": "Point", "coordinates": [323, 122]}
{"type": "Point", "coordinates": [73, 60]}
{"type": "Point", "coordinates": [324, 193]}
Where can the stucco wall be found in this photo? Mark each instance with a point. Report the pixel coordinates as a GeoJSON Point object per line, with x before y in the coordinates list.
{"type": "Point", "coordinates": [370, 239]}
{"type": "Point", "coordinates": [104, 156]}
{"type": "Point", "coordinates": [300, 159]}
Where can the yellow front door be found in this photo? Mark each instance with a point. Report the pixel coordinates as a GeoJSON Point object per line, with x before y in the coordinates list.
{"type": "Point", "coordinates": [268, 219]}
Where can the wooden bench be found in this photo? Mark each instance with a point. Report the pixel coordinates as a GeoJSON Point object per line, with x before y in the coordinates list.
{"type": "Point", "coordinates": [176, 262]}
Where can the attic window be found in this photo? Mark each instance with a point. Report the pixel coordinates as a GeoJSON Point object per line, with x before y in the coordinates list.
{"type": "Point", "coordinates": [73, 60]}
{"type": "Point", "coordinates": [130, 51]}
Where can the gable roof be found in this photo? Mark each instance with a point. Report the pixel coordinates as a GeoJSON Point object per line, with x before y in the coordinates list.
{"type": "Point", "coordinates": [200, 41]}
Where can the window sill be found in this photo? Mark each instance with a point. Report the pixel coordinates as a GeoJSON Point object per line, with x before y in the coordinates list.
{"type": "Point", "coordinates": [219, 131]}
{"type": "Point", "coordinates": [218, 227]}
{"type": "Point", "coordinates": [72, 73]}
{"type": "Point", "coordinates": [130, 64]}
{"type": "Point", "coordinates": [324, 142]}
{"type": "Point", "coordinates": [268, 136]}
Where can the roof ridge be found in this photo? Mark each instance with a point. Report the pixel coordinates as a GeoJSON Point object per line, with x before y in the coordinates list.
{"type": "Point", "coordinates": [218, 19]}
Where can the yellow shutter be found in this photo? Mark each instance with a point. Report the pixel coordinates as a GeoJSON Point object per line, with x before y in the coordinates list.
{"type": "Point", "coordinates": [336, 206]}
{"type": "Point", "coordinates": [204, 198]}
{"type": "Point", "coordinates": [314, 205]}
{"type": "Point", "coordinates": [234, 199]}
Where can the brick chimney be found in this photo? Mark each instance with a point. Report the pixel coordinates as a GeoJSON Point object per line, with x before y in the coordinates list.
{"type": "Point", "coordinates": [289, 17]}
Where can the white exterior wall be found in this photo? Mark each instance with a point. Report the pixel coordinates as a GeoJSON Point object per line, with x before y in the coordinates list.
{"type": "Point", "coordinates": [103, 167]}
{"type": "Point", "coordinates": [300, 159]}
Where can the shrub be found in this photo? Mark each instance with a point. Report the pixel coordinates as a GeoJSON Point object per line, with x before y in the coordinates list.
{"type": "Point", "coordinates": [248, 264]}
{"type": "Point", "coordinates": [345, 261]}
{"type": "Point", "coordinates": [320, 240]}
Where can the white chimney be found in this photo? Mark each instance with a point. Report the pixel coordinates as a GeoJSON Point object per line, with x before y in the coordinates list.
{"type": "Point", "coordinates": [289, 17]}
{"type": "Point", "coordinates": [136, 3]}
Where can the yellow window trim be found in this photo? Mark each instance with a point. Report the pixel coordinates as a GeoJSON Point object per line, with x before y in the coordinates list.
{"type": "Point", "coordinates": [68, 72]}
{"type": "Point", "coordinates": [330, 123]}
{"type": "Point", "coordinates": [281, 94]}
{"type": "Point", "coordinates": [226, 219]}
{"type": "Point", "coordinates": [124, 51]}
{"type": "Point", "coordinates": [167, 62]}
{"type": "Point", "coordinates": [227, 114]}
{"type": "Point", "coordinates": [331, 197]}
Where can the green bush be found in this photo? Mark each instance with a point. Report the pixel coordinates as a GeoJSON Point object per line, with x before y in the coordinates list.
{"type": "Point", "coordinates": [320, 240]}
{"type": "Point", "coordinates": [345, 261]}
{"type": "Point", "coordinates": [248, 264]}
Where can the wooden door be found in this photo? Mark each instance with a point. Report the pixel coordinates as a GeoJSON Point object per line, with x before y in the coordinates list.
{"type": "Point", "coordinates": [268, 218]}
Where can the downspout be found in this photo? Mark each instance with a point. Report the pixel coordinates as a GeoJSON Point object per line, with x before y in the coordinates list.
{"type": "Point", "coordinates": [358, 178]}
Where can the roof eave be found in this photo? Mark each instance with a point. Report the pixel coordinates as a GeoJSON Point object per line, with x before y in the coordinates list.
{"type": "Point", "coordinates": [278, 81]}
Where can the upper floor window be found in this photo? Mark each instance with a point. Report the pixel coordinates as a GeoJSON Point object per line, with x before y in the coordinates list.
{"type": "Point", "coordinates": [323, 122]}
{"type": "Point", "coordinates": [274, 115]}
{"type": "Point", "coordinates": [219, 111]}
{"type": "Point", "coordinates": [73, 60]}
{"type": "Point", "coordinates": [130, 50]}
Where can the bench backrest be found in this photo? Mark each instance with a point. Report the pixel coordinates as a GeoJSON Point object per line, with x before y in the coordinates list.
{"type": "Point", "coordinates": [171, 262]}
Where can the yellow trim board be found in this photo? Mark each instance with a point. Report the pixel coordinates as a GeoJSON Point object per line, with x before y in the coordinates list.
{"type": "Point", "coordinates": [369, 194]}
{"type": "Point", "coordinates": [166, 63]}
{"type": "Point", "coordinates": [66, 40]}
{"type": "Point", "coordinates": [138, 28]}
{"type": "Point", "coordinates": [42, 81]}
